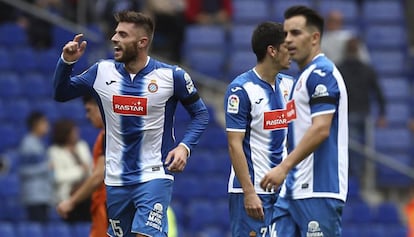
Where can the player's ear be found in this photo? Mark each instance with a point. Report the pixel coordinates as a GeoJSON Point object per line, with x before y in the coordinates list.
{"type": "Point", "coordinates": [271, 50]}
{"type": "Point", "coordinates": [143, 42]}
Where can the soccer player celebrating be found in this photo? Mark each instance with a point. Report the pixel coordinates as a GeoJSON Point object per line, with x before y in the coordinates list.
{"type": "Point", "coordinates": [137, 96]}
{"type": "Point", "coordinates": [316, 169]}
{"type": "Point", "coordinates": [256, 127]}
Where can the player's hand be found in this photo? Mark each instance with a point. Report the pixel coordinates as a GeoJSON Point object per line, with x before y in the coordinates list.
{"type": "Point", "coordinates": [253, 206]}
{"type": "Point", "coordinates": [273, 179]}
{"type": "Point", "coordinates": [64, 208]}
{"type": "Point", "coordinates": [177, 159]}
{"type": "Point", "coordinates": [74, 49]}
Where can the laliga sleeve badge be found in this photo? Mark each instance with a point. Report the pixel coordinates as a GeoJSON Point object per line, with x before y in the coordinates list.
{"type": "Point", "coordinates": [233, 104]}
{"type": "Point", "coordinates": [152, 86]}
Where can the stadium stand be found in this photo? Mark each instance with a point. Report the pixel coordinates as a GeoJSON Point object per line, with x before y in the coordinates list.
{"type": "Point", "coordinates": [200, 199]}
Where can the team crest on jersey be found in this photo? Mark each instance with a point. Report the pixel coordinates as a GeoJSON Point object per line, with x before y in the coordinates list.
{"type": "Point", "coordinates": [188, 83]}
{"type": "Point", "coordinates": [233, 103]}
{"type": "Point", "coordinates": [129, 105]}
{"type": "Point", "coordinates": [320, 91]}
{"type": "Point", "coordinates": [153, 86]}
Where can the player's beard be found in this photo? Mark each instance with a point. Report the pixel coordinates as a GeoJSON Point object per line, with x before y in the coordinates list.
{"type": "Point", "coordinates": [129, 54]}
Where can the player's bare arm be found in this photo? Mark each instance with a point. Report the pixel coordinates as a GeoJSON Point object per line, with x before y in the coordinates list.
{"type": "Point", "coordinates": [252, 202]}
{"type": "Point", "coordinates": [74, 49]}
{"type": "Point", "coordinates": [314, 136]}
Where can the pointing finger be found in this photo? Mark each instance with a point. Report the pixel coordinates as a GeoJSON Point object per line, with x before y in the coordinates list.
{"type": "Point", "coordinates": [77, 38]}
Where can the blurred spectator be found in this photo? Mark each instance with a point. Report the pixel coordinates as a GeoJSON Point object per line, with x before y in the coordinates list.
{"type": "Point", "coordinates": [7, 13]}
{"type": "Point", "coordinates": [409, 212]}
{"type": "Point", "coordinates": [335, 37]}
{"type": "Point", "coordinates": [170, 25]}
{"type": "Point", "coordinates": [361, 81]}
{"type": "Point", "coordinates": [35, 173]}
{"type": "Point", "coordinates": [39, 31]}
{"type": "Point", "coordinates": [105, 10]}
{"type": "Point", "coordinates": [208, 11]}
{"type": "Point", "coordinates": [71, 159]}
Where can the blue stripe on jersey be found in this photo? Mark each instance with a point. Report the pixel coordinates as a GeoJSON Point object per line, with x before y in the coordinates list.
{"type": "Point", "coordinates": [326, 162]}
{"type": "Point", "coordinates": [168, 139]}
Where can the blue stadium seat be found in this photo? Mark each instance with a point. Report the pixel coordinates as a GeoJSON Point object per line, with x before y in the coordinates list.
{"type": "Point", "coordinates": [351, 230]}
{"type": "Point", "coordinates": [211, 231]}
{"type": "Point", "coordinates": [361, 212]}
{"type": "Point", "coordinates": [207, 61]}
{"type": "Point", "coordinates": [24, 59]}
{"type": "Point", "coordinates": [383, 11]}
{"type": "Point", "coordinates": [187, 187]}
{"type": "Point", "coordinates": [396, 88]}
{"type": "Point", "coordinates": [7, 229]}
{"type": "Point", "coordinates": [31, 229]}
{"type": "Point", "coordinates": [48, 59]}
{"type": "Point", "coordinates": [5, 63]}
{"type": "Point", "coordinates": [393, 139]}
{"type": "Point", "coordinates": [398, 113]}
{"type": "Point", "coordinates": [241, 36]}
{"type": "Point", "coordinates": [48, 107]}
{"type": "Point", "coordinates": [82, 229]}
{"type": "Point", "coordinates": [14, 208]}
{"type": "Point", "coordinates": [239, 62]}
{"type": "Point", "coordinates": [10, 86]}
{"type": "Point", "coordinates": [9, 185]}
{"type": "Point", "coordinates": [12, 35]}
{"type": "Point", "coordinates": [18, 110]}
{"type": "Point", "coordinates": [204, 36]}
{"type": "Point", "coordinates": [222, 213]}
{"type": "Point", "coordinates": [279, 8]}
{"type": "Point", "coordinates": [73, 109]}
{"type": "Point", "coordinates": [61, 37]}
{"type": "Point", "coordinates": [58, 229]}
{"type": "Point", "coordinates": [215, 186]}
{"type": "Point", "coordinates": [201, 214]}
{"type": "Point", "coordinates": [389, 62]}
{"type": "Point", "coordinates": [10, 137]}
{"type": "Point", "coordinates": [387, 177]}
{"type": "Point", "coordinates": [349, 10]}
{"type": "Point", "coordinates": [250, 12]}
{"type": "Point", "coordinates": [387, 213]}
{"type": "Point", "coordinates": [88, 133]}
{"type": "Point", "coordinates": [36, 86]}
{"type": "Point", "coordinates": [386, 37]}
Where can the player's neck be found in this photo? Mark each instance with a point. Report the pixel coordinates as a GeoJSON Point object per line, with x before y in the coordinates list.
{"type": "Point", "coordinates": [314, 52]}
{"type": "Point", "coordinates": [137, 64]}
{"type": "Point", "coordinates": [267, 72]}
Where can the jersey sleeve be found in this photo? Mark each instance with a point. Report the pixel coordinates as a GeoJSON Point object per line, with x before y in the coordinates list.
{"type": "Point", "coordinates": [323, 92]}
{"type": "Point", "coordinates": [186, 93]}
{"type": "Point", "coordinates": [236, 108]}
{"type": "Point", "coordinates": [67, 87]}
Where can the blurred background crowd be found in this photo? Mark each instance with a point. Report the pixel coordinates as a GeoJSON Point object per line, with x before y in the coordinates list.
{"type": "Point", "coordinates": [371, 41]}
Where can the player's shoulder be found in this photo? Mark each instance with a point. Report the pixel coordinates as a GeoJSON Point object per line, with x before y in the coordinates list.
{"type": "Point", "coordinates": [284, 77]}
{"type": "Point", "coordinates": [322, 66]}
{"type": "Point", "coordinates": [242, 79]}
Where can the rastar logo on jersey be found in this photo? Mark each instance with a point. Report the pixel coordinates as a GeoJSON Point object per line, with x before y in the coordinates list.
{"type": "Point", "coordinates": [290, 110]}
{"type": "Point", "coordinates": [275, 119]}
{"type": "Point", "coordinates": [129, 105]}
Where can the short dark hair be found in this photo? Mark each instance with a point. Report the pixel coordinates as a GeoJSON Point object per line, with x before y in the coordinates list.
{"type": "Point", "coordinates": [34, 118]}
{"type": "Point", "coordinates": [138, 18]}
{"type": "Point", "coordinates": [88, 98]}
{"type": "Point", "coordinates": [313, 18]}
{"type": "Point", "coordinates": [267, 33]}
{"type": "Point", "coordinates": [61, 131]}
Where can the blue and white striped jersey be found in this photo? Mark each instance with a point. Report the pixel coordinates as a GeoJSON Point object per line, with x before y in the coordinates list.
{"type": "Point", "coordinates": [319, 90]}
{"type": "Point", "coordinates": [138, 111]}
{"type": "Point", "coordinates": [256, 108]}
